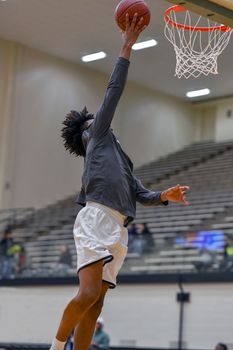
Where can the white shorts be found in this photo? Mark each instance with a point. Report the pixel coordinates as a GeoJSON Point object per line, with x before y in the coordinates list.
{"type": "Point", "coordinates": [99, 234]}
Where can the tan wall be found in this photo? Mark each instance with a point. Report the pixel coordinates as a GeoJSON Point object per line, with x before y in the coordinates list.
{"type": "Point", "coordinates": [205, 127]}
{"type": "Point", "coordinates": [7, 84]}
{"type": "Point", "coordinates": [146, 316]}
{"type": "Point", "coordinates": [224, 123]}
{"type": "Point", "coordinates": [213, 121]}
{"type": "Point", "coordinates": [38, 169]}
{"type": "Point", "coordinates": [154, 124]}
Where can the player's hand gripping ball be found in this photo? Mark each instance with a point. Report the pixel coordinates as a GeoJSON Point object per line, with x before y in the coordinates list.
{"type": "Point", "coordinates": [131, 7]}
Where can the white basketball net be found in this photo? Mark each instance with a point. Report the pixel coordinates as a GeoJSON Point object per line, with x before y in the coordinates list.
{"type": "Point", "coordinates": [197, 50]}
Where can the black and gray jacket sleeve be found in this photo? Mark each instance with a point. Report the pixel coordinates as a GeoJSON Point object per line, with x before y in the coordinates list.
{"type": "Point", "coordinates": [147, 197]}
{"type": "Point", "coordinates": [104, 116]}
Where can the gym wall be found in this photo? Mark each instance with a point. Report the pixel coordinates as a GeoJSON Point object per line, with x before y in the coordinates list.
{"type": "Point", "coordinates": [36, 170]}
{"type": "Point", "coordinates": [135, 315]}
{"type": "Point", "coordinates": [36, 92]}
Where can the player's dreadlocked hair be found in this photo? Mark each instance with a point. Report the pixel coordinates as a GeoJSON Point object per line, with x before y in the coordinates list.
{"type": "Point", "coordinates": [73, 129]}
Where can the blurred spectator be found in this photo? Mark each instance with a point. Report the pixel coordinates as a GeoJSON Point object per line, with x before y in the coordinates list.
{"type": "Point", "coordinates": [9, 253]}
{"type": "Point", "coordinates": [220, 346]}
{"type": "Point", "coordinates": [227, 263]}
{"type": "Point", "coordinates": [65, 256]}
{"type": "Point", "coordinates": [143, 241]}
{"type": "Point", "coordinates": [226, 244]}
{"type": "Point", "coordinates": [21, 261]}
{"type": "Point", "coordinates": [207, 260]}
{"type": "Point", "coordinates": [142, 229]}
{"type": "Point", "coordinates": [132, 232]}
{"type": "Point", "coordinates": [100, 339]}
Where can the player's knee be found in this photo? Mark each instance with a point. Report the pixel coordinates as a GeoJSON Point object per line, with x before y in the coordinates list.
{"type": "Point", "coordinates": [89, 296]}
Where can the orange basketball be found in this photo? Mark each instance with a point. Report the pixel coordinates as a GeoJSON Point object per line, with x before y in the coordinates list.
{"type": "Point", "coordinates": [131, 7]}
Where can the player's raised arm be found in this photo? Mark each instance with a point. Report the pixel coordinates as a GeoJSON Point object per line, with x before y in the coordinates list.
{"type": "Point", "coordinates": [118, 78]}
{"type": "Point", "coordinates": [130, 35]}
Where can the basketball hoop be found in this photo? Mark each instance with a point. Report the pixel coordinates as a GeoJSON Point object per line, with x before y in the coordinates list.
{"type": "Point", "coordinates": [197, 47]}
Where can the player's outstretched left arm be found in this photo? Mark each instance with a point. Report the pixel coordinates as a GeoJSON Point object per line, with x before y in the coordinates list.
{"type": "Point", "coordinates": [148, 198]}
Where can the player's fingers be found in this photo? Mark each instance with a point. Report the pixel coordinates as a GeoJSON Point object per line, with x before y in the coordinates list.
{"type": "Point", "coordinates": [127, 24]}
{"type": "Point", "coordinates": [186, 202]}
{"type": "Point", "coordinates": [184, 188]}
{"type": "Point", "coordinates": [139, 24]}
{"type": "Point", "coordinates": [134, 20]}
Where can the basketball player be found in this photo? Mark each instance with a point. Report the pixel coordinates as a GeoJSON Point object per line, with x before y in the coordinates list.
{"type": "Point", "coordinates": [109, 193]}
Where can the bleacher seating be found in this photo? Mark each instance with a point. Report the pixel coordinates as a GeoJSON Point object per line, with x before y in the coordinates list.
{"type": "Point", "coordinates": [11, 217]}
{"type": "Point", "coordinates": [181, 160]}
{"type": "Point", "coordinates": [206, 167]}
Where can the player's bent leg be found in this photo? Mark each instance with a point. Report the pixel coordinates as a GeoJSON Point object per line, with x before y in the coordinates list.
{"type": "Point", "coordinates": [90, 289]}
{"type": "Point", "coordinates": [85, 329]}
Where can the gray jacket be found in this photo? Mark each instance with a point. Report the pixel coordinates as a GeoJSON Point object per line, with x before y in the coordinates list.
{"type": "Point", "coordinates": [108, 171]}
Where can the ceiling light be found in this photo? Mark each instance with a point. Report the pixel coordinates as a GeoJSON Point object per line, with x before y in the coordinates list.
{"type": "Point", "coordinates": [197, 93]}
{"type": "Point", "coordinates": [94, 56]}
{"type": "Point", "coordinates": [145, 44]}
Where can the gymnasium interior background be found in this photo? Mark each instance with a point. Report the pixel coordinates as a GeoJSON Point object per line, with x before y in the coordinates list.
{"type": "Point", "coordinates": [38, 86]}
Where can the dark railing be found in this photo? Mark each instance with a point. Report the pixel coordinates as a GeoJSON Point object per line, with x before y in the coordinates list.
{"type": "Point", "coordinates": [28, 346]}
